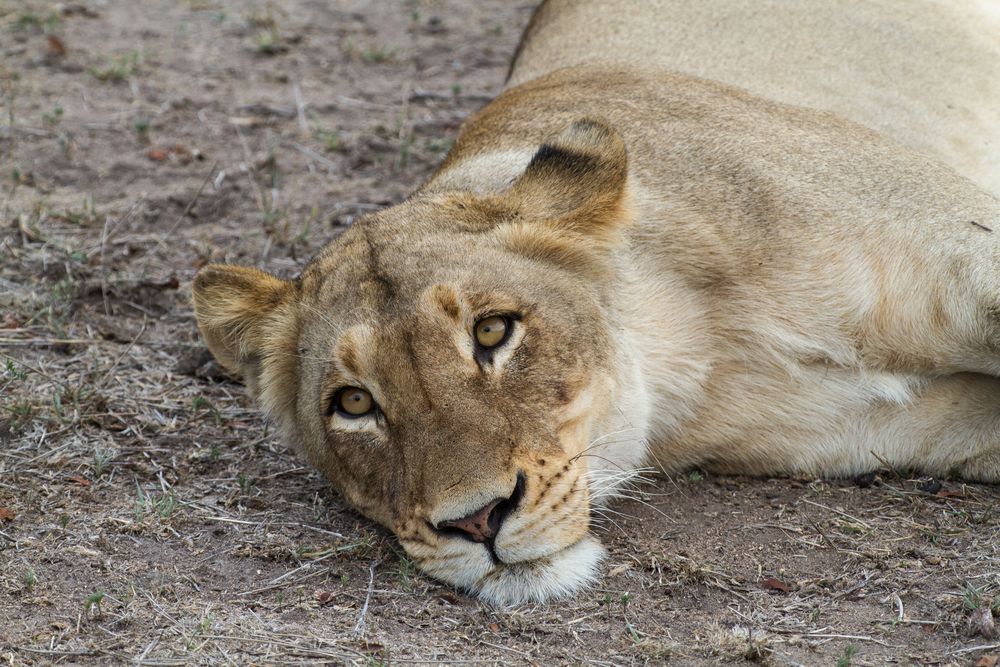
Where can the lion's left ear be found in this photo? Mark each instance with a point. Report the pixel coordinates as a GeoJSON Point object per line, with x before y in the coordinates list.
{"type": "Point", "coordinates": [247, 319]}
{"type": "Point", "coordinates": [576, 181]}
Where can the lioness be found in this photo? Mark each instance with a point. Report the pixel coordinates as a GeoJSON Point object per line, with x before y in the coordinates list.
{"type": "Point", "coordinates": [621, 265]}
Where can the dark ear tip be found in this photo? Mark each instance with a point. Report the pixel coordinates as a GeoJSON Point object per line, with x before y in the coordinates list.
{"type": "Point", "coordinates": [233, 276]}
{"type": "Point", "coordinates": [209, 275]}
{"type": "Point", "coordinates": [592, 126]}
{"type": "Point", "coordinates": [588, 145]}
{"type": "Point", "coordinates": [591, 134]}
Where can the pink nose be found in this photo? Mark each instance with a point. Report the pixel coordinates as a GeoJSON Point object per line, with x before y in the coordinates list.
{"type": "Point", "coordinates": [484, 524]}
{"type": "Point", "coordinates": [480, 526]}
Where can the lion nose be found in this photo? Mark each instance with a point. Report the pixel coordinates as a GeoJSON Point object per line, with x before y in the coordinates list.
{"type": "Point", "coordinates": [484, 524]}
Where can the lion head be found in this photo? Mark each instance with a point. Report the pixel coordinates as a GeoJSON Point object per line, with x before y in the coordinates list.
{"type": "Point", "coordinates": [449, 364]}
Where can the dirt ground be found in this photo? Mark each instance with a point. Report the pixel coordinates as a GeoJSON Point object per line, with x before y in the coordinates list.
{"type": "Point", "coordinates": [148, 515]}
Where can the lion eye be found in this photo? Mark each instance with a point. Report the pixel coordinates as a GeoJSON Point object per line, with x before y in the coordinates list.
{"type": "Point", "coordinates": [353, 402]}
{"type": "Point", "coordinates": [492, 331]}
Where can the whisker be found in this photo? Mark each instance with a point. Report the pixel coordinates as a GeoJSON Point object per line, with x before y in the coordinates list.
{"type": "Point", "coordinates": [601, 517]}
{"type": "Point", "coordinates": [606, 524]}
{"type": "Point", "coordinates": [619, 478]}
{"type": "Point", "coordinates": [654, 508]}
{"type": "Point", "coordinates": [597, 442]}
{"type": "Point", "coordinates": [612, 489]}
{"type": "Point", "coordinates": [604, 511]}
{"type": "Point", "coordinates": [607, 518]}
{"type": "Point", "coordinates": [621, 485]}
{"type": "Point", "coordinates": [609, 434]}
{"type": "Point", "coordinates": [602, 458]}
{"type": "Point", "coordinates": [600, 473]}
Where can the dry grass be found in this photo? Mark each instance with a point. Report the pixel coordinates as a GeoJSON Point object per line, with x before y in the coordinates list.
{"type": "Point", "coordinates": [147, 515]}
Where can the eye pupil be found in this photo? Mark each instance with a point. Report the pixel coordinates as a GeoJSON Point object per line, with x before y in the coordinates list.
{"type": "Point", "coordinates": [492, 331]}
{"type": "Point", "coordinates": [354, 402]}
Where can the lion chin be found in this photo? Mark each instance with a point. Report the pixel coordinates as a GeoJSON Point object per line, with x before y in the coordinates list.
{"type": "Point", "coordinates": [557, 575]}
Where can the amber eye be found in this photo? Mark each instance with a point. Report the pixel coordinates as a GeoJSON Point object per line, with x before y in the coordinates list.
{"type": "Point", "coordinates": [492, 331]}
{"type": "Point", "coordinates": [353, 402]}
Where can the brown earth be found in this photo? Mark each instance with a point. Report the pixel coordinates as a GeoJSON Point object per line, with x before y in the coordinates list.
{"type": "Point", "coordinates": [147, 514]}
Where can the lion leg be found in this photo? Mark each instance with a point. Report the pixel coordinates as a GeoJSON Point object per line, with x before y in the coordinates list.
{"type": "Point", "coordinates": [929, 293]}
{"type": "Point", "coordinates": [935, 320]}
{"type": "Point", "coordinates": [950, 428]}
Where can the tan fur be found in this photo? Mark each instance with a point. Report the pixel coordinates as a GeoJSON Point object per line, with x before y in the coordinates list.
{"type": "Point", "coordinates": [699, 277]}
{"type": "Point", "coordinates": [923, 72]}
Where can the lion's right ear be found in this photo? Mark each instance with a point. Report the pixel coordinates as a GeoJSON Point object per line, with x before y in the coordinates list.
{"type": "Point", "coordinates": [244, 315]}
{"type": "Point", "coordinates": [571, 203]}
{"type": "Point", "coordinates": [576, 181]}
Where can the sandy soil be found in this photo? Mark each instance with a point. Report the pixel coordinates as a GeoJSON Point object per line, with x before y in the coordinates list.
{"type": "Point", "coordinates": [146, 512]}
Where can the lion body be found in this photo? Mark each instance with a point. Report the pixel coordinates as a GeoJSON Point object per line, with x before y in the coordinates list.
{"type": "Point", "coordinates": [923, 72]}
{"type": "Point", "coordinates": [694, 275]}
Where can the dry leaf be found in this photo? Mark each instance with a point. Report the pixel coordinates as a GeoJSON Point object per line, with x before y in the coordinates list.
{"type": "Point", "coordinates": [183, 155]}
{"type": "Point", "coordinates": [6, 514]}
{"type": "Point", "coordinates": [772, 584]}
{"type": "Point", "coordinates": [79, 479]}
{"type": "Point", "coordinates": [324, 597]}
{"type": "Point", "coordinates": [986, 661]}
{"type": "Point", "coordinates": [56, 47]}
{"type": "Point", "coordinates": [157, 154]}
{"type": "Point", "coordinates": [448, 596]}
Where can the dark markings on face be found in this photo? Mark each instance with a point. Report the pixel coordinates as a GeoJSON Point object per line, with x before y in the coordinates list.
{"type": "Point", "coordinates": [349, 357]}
{"type": "Point", "coordinates": [448, 303]}
{"type": "Point", "coordinates": [411, 354]}
{"type": "Point", "coordinates": [378, 277]}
